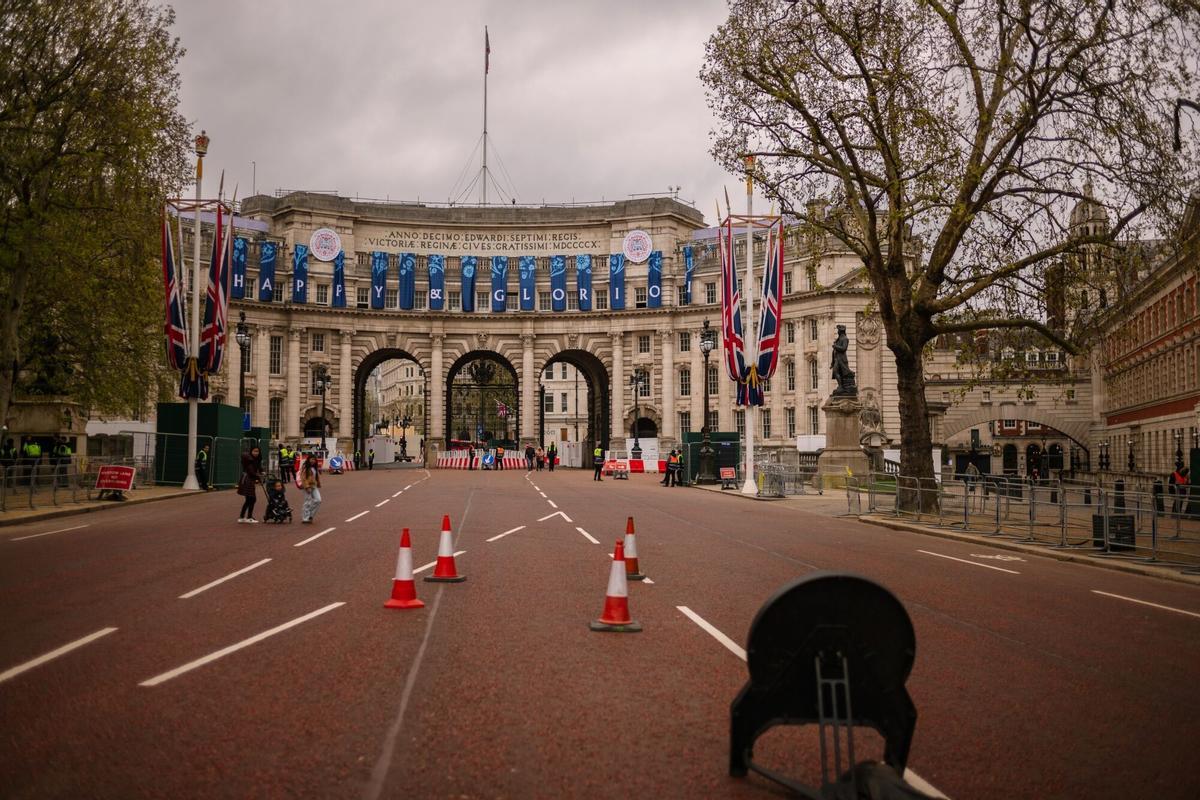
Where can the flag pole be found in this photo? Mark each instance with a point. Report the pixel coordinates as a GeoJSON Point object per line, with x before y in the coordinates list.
{"type": "Point", "coordinates": [749, 485]}
{"type": "Point", "coordinates": [190, 481]}
{"type": "Point", "coordinates": [487, 50]}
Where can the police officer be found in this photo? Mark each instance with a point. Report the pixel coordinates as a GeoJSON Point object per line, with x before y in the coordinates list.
{"type": "Point", "coordinates": [285, 463]}
{"type": "Point", "coordinates": [62, 460]}
{"type": "Point", "coordinates": [597, 464]}
{"type": "Point", "coordinates": [202, 468]}
{"type": "Point", "coordinates": [357, 458]}
{"type": "Point", "coordinates": [31, 454]}
{"type": "Point", "coordinates": [370, 458]}
{"type": "Point", "coordinates": [8, 460]}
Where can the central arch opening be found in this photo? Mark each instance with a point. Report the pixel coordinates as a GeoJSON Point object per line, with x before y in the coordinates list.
{"type": "Point", "coordinates": [482, 401]}
{"type": "Point", "coordinates": [573, 402]}
{"type": "Point", "coordinates": [391, 407]}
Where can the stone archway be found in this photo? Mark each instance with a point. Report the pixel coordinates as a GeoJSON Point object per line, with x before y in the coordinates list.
{"type": "Point", "coordinates": [482, 398]}
{"type": "Point", "coordinates": [362, 426]}
{"type": "Point", "coordinates": [595, 375]}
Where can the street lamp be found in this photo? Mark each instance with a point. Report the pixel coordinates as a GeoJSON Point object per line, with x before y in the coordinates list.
{"type": "Point", "coordinates": [243, 340]}
{"type": "Point", "coordinates": [637, 380]}
{"type": "Point", "coordinates": [1132, 441]}
{"type": "Point", "coordinates": [1103, 456]}
{"type": "Point", "coordinates": [708, 472]}
{"type": "Point", "coordinates": [1178, 449]}
{"type": "Point", "coordinates": [201, 150]}
{"type": "Point", "coordinates": [323, 381]}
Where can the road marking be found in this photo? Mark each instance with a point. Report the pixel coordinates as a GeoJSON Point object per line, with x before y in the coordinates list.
{"type": "Point", "coordinates": [384, 501]}
{"type": "Point", "coordinates": [543, 494]}
{"type": "Point", "coordinates": [312, 538]}
{"type": "Point", "coordinates": [705, 625]}
{"type": "Point", "coordinates": [972, 563]}
{"type": "Point", "coordinates": [47, 533]}
{"type": "Point", "coordinates": [647, 580]}
{"type": "Point", "coordinates": [397, 494]}
{"type": "Point", "coordinates": [538, 488]}
{"type": "Point", "coordinates": [53, 654]}
{"type": "Point", "coordinates": [555, 514]}
{"type": "Point", "coordinates": [587, 535]}
{"type": "Point", "coordinates": [997, 557]}
{"type": "Point", "coordinates": [506, 533]}
{"type": "Point", "coordinates": [552, 503]}
{"type": "Point", "coordinates": [1146, 603]}
{"type": "Point", "coordinates": [916, 780]}
{"type": "Point", "coordinates": [406, 488]}
{"type": "Point", "coordinates": [233, 648]}
{"type": "Point", "coordinates": [219, 581]}
{"type": "Point", "coordinates": [434, 563]}
{"type": "Point", "coordinates": [359, 514]}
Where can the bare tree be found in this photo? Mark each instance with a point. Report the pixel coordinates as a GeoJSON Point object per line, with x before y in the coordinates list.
{"type": "Point", "coordinates": [946, 143]}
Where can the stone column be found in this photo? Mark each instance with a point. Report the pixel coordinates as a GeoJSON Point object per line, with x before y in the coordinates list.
{"type": "Point", "coordinates": [437, 390]}
{"type": "Point", "coordinates": [617, 411]}
{"type": "Point", "coordinates": [345, 428]}
{"type": "Point", "coordinates": [669, 429]}
{"type": "Point", "coordinates": [260, 377]}
{"type": "Point", "coordinates": [291, 423]}
{"type": "Point", "coordinates": [529, 410]}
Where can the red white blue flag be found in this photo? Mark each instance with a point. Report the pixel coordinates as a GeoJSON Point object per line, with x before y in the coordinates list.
{"type": "Point", "coordinates": [176, 325]}
{"type": "Point", "coordinates": [771, 309]}
{"type": "Point", "coordinates": [731, 312]}
{"type": "Point", "coordinates": [216, 309]}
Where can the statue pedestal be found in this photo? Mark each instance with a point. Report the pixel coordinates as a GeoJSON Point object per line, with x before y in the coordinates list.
{"type": "Point", "coordinates": [842, 444]}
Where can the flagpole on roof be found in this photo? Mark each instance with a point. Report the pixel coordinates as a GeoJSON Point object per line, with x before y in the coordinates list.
{"type": "Point", "coordinates": [487, 52]}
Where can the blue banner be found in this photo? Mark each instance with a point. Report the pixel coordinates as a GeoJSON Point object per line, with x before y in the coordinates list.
{"type": "Point", "coordinates": [558, 283]}
{"type": "Point", "coordinates": [339, 280]}
{"type": "Point", "coordinates": [583, 281]}
{"type": "Point", "coordinates": [689, 266]}
{"type": "Point", "coordinates": [266, 272]}
{"type": "Point", "coordinates": [300, 274]}
{"type": "Point", "coordinates": [437, 282]}
{"type": "Point", "coordinates": [237, 289]}
{"type": "Point", "coordinates": [654, 281]}
{"type": "Point", "coordinates": [527, 272]}
{"type": "Point", "coordinates": [379, 265]}
{"type": "Point", "coordinates": [408, 280]}
{"type": "Point", "coordinates": [616, 282]}
{"type": "Point", "coordinates": [469, 263]}
{"type": "Point", "coordinates": [499, 282]}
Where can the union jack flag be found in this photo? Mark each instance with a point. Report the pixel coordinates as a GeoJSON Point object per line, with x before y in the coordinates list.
{"type": "Point", "coordinates": [501, 410]}
{"type": "Point", "coordinates": [176, 326]}
{"type": "Point", "coordinates": [769, 314]}
{"type": "Point", "coordinates": [731, 311]}
{"type": "Point", "coordinates": [213, 332]}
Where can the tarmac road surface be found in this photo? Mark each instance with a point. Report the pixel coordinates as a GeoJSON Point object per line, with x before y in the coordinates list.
{"type": "Point", "coordinates": [163, 650]}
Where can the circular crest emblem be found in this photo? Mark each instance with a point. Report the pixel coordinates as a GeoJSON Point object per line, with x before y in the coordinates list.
{"type": "Point", "coordinates": [325, 244]}
{"type": "Point", "coordinates": [637, 246]}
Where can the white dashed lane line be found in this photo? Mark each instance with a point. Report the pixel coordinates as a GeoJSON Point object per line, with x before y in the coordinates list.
{"type": "Point", "coordinates": [587, 535]}
{"type": "Point", "coordinates": [53, 654]}
{"type": "Point", "coordinates": [219, 581]}
{"type": "Point", "coordinates": [48, 533]}
{"type": "Point", "coordinates": [506, 533]}
{"type": "Point", "coordinates": [424, 567]}
{"type": "Point", "coordinates": [314, 538]}
{"type": "Point", "coordinates": [383, 502]}
{"type": "Point", "coordinates": [359, 514]}
{"type": "Point", "coordinates": [552, 503]}
{"type": "Point", "coordinates": [972, 563]}
{"type": "Point", "coordinates": [1145, 603]}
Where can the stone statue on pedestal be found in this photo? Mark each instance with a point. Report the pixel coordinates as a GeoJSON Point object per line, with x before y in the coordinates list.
{"type": "Point", "coordinates": [846, 387]}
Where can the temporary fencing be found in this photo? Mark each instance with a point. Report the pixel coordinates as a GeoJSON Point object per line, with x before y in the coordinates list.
{"type": "Point", "coordinates": [59, 481]}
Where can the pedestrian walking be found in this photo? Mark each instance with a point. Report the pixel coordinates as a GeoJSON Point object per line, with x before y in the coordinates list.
{"type": "Point", "coordinates": [370, 458]}
{"type": "Point", "coordinates": [251, 476]}
{"type": "Point", "coordinates": [597, 464]}
{"type": "Point", "coordinates": [8, 461]}
{"type": "Point", "coordinates": [551, 457]}
{"type": "Point", "coordinates": [499, 457]}
{"type": "Point", "coordinates": [202, 468]}
{"type": "Point", "coordinates": [530, 455]}
{"type": "Point", "coordinates": [1178, 483]}
{"type": "Point", "coordinates": [310, 483]}
{"type": "Point", "coordinates": [540, 456]}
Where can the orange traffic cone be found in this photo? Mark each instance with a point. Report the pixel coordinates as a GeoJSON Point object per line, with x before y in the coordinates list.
{"type": "Point", "coordinates": [616, 617]}
{"type": "Point", "coordinates": [404, 591]}
{"type": "Point", "coordinates": [631, 559]}
{"type": "Point", "coordinates": [445, 571]}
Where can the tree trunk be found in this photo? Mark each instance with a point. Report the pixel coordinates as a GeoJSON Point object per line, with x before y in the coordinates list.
{"type": "Point", "coordinates": [9, 343]}
{"type": "Point", "coordinates": [917, 488]}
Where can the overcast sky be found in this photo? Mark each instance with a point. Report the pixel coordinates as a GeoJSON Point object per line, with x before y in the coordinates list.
{"type": "Point", "coordinates": [587, 100]}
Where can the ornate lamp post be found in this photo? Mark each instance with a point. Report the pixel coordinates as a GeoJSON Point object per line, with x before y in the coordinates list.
{"type": "Point", "coordinates": [1103, 458]}
{"type": "Point", "coordinates": [1178, 449]}
{"type": "Point", "coordinates": [637, 380]}
{"type": "Point", "coordinates": [708, 472]}
{"type": "Point", "coordinates": [243, 340]}
{"type": "Point", "coordinates": [1132, 462]}
{"type": "Point", "coordinates": [323, 381]}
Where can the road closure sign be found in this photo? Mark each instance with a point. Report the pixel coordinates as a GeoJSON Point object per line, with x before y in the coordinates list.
{"type": "Point", "coordinates": [115, 478]}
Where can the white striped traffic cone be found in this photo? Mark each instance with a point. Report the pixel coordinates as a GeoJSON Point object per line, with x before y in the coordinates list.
{"type": "Point", "coordinates": [631, 558]}
{"type": "Point", "coordinates": [445, 571]}
{"type": "Point", "coordinates": [615, 618]}
{"type": "Point", "coordinates": [404, 591]}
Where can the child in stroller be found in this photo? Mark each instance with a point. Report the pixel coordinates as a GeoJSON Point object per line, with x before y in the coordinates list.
{"type": "Point", "coordinates": [278, 509]}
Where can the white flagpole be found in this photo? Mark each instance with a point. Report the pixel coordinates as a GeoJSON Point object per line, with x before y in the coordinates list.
{"type": "Point", "coordinates": [487, 48]}
{"type": "Point", "coordinates": [190, 482]}
{"type": "Point", "coordinates": [749, 485]}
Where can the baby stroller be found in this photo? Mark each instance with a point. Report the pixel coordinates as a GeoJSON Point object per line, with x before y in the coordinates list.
{"type": "Point", "coordinates": [278, 510]}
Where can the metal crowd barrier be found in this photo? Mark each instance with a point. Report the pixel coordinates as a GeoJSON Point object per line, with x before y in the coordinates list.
{"type": "Point", "coordinates": [1106, 521]}
{"type": "Point", "coordinates": [781, 480]}
{"type": "Point", "coordinates": [54, 482]}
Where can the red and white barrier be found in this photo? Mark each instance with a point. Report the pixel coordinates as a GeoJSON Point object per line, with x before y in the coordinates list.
{"type": "Point", "coordinates": [461, 459]}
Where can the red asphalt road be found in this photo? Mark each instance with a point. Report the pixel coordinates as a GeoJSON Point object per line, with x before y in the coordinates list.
{"type": "Point", "coordinates": [1026, 685]}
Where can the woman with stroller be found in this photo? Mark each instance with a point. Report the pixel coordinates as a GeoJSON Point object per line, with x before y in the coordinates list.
{"type": "Point", "coordinates": [251, 475]}
{"type": "Point", "coordinates": [310, 482]}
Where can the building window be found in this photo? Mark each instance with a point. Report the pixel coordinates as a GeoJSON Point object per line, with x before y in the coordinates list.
{"type": "Point", "coordinates": [391, 298]}
{"type": "Point", "coordinates": [681, 295]}
{"type": "Point", "coordinates": [544, 301]}
{"type": "Point", "coordinates": [483, 301]}
{"type": "Point", "coordinates": [572, 301]}
{"type": "Point", "coordinates": [765, 416]}
{"type": "Point", "coordinates": [275, 413]}
{"type": "Point", "coordinates": [790, 375]}
{"type": "Point", "coordinates": [787, 283]}
{"type": "Point", "coordinates": [562, 370]}
{"type": "Point", "coordinates": [1070, 395]}
{"type": "Point", "coordinates": [766, 386]}
{"type": "Point", "coordinates": [363, 296]}
{"type": "Point", "coordinates": [789, 417]}
{"type": "Point", "coordinates": [277, 291]}
{"type": "Point", "coordinates": [713, 419]}
{"type": "Point", "coordinates": [549, 402]}
{"type": "Point", "coordinates": [322, 294]}
{"type": "Point", "coordinates": [685, 422]}
{"type": "Point", "coordinates": [685, 342]}
{"type": "Point", "coordinates": [812, 329]}
{"type": "Point", "coordinates": [814, 375]}
{"type": "Point", "coordinates": [600, 296]}
{"type": "Point", "coordinates": [247, 354]}
{"type": "Point", "coordinates": [562, 398]}
{"type": "Point", "coordinates": [789, 332]}
{"type": "Point", "coordinates": [318, 343]}
{"type": "Point", "coordinates": [512, 302]}
{"type": "Point", "coordinates": [644, 387]}
{"type": "Point", "coordinates": [710, 293]}
{"type": "Point", "coordinates": [251, 287]}
{"type": "Point", "coordinates": [739, 419]}
{"type": "Point", "coordinates": [712, 381]}
{"type": "Point", "coordinates": [454, 299]}
{"type": "Point", "coordinates": [313, 387]}
{"type": "Point", "coordinates": [419, 300]}
{"type": "Point", "coordinates": [814, 420]}
{"type": "Point", "coordinates": [639, 297]}
{"type": "Point", "coordinates": [1051, 357]}
{"type": "Point", "coordinates": [685, 382]}
{"type": "Point", "coordinates": [987, 396]}
{"type": "Point", "coordinates": [1010, 424]}
{"type": "Point", "coordinates": [643, 343]}
{"type": "Point", "coordinates": [276, 352]}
